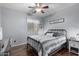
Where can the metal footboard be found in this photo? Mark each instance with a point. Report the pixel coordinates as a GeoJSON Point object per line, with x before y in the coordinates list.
{"type": "Point", "coordinates": [35, 44]}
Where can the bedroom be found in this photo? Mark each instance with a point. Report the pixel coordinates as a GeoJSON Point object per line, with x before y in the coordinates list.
{"type": "Point", "coordinates": [23, 23]}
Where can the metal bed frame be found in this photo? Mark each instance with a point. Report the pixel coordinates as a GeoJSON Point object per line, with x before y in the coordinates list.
{"type": "Point", "coordinates": [39, 44]}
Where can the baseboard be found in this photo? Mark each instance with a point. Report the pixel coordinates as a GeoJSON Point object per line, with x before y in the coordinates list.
{"type": "Point", "coordinates": [19, 45]}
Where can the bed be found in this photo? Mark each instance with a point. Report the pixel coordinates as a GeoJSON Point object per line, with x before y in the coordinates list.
{"type": "Point", "coordinates": [52, 41]}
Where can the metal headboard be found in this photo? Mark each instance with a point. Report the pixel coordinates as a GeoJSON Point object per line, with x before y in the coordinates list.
{"type": "Point", "coordinates": [57, 30]}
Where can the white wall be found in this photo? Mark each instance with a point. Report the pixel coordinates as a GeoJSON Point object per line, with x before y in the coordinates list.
{"type": "Point", "coordinates": [14, 26]}
{"type": "Point", "coordinates": [0, 24]}
{"type": "Point", "coordinates": [71, 24]}
{"type": "Point", "coordinates": [0, 16]}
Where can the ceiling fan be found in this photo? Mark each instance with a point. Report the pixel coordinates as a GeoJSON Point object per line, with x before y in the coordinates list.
{"type": "Point", "coordinates": [39, 7]}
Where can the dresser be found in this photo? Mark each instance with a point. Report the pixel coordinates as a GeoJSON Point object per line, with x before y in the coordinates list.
{"type": "Point", "coordinates": [74, 46]}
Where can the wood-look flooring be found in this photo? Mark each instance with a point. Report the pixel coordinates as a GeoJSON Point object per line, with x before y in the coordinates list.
{"type": "Point", "coordinates": [23, 51]}
{"type": "Point", "coordinates": [64, 52]}
{"type": "Point", "coordinates": [18, 51]}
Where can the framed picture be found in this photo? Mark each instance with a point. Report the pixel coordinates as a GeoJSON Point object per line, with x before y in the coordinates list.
{"type": "Point", "coordinates": [61, 20]}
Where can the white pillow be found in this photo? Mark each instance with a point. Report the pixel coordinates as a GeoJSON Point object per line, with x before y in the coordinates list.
{"type": "Point", "coordinates": [49, 34]}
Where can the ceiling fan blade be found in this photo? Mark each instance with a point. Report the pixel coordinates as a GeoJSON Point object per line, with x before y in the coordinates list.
{"type": "Point", "coordinates": [34, 11]}
{"type": "Point", "coordinates": [45, 7]}
{"type": "Point", "coordinates": [40, 4]}
{"type": "Point", "coordinates": [42, 11]}
{"type": "Point", "coordinates": [31, 12]}
{"type": "Point", "coordinates": [30, 7]}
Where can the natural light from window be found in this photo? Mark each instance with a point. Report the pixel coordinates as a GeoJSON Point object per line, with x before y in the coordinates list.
{"type": "Point", "coordinates": [33, 26]}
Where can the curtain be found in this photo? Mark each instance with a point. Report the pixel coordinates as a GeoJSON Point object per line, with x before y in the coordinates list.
{"type": "Point", "coordinates": [33, 28]}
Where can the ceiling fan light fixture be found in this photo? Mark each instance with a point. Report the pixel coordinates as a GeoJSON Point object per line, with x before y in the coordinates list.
{"type": "Point", "coordinates": [38, 9]}
{"type": "Point", "coordinates": [38, 4]}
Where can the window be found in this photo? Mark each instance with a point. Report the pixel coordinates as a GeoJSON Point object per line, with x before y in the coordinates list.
{"type": "Point", "coordinates": [33, 26]}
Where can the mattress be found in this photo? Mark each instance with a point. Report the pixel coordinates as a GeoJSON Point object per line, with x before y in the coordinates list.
{"type": "Point", "coordinates": [48, 43]}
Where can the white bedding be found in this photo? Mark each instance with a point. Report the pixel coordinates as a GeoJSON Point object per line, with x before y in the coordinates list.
{"type": "Point", "coordinates": [42, 38]}
{"type": "Point", "coordinates": [49, 42]}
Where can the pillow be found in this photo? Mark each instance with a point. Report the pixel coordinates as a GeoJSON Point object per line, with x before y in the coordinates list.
{"type": "Point", "coordinates": [49, 34]}
{"type": "Point", "coordinates": [56, 34]}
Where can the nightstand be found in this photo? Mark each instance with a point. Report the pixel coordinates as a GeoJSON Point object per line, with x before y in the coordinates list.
{"type": "Point", "coordinates": [74, 46]}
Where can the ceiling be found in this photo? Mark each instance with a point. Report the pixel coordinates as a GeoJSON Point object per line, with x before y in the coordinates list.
{"type": "Point", "coordinates": [23, 7]}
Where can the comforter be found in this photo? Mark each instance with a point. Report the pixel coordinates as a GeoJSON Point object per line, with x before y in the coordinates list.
{"type": "Point", "coordinates": [49, 43]}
